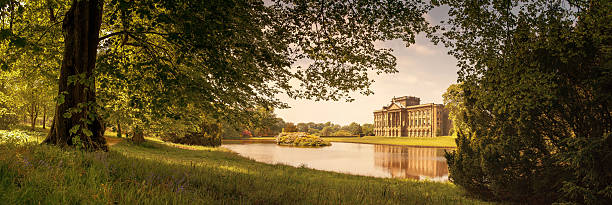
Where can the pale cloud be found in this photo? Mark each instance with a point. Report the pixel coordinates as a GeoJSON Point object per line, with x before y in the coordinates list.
{"type": "Point", "coordinates": [428, 18]}
{"type": "Point", "coordinates": [421, 49]}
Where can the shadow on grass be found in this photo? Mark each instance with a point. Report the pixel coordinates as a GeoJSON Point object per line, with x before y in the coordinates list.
{"type": "Point", "coordinates": [158, 173]}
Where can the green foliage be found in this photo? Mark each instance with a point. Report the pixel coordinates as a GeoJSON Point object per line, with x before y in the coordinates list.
{"type": "Point", "coordinates": [536, 79]}
{"type": "Point", "coordinates": [342, 133]}
{"type": "Point", "coordinates": [328, 128]}
{"type": "Point", "coordinates": [302, 127]}
{"type": "Point", "coordinates": [237, 56]}
{"type": "Point", "coordinates": [326, 131]}
{"type": "Point", "coordinates": [354, 128]}
{"type": "Point", "coordinates": [30, 46]}
{"type": "Point", "coordinates": [368, 129]}
{"type": "Point", "coordinates": [201, 138]}
{"type": "Point", "coordinates": [263, 123]}
{"type": "Point", "coordinates": [300, 139]}
{"type": "Point", "coordinates": [14, 137]}
{"type": "Point", "coordinates": [290, 127]}
{"type": "Point", "coordinates": [442, 141]}
{"type": "Point", "coordinates": [178, 60]}
{"type": "Point", "coordinates": [7, 119]}
{"type": "Point", "coordinates": [454, 101]}
{"type": "Point", "coordinates": [206, 132]}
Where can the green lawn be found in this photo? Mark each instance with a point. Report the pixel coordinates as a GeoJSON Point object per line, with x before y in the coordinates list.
{"type": "Point", "coordinates": [163, 173]}
{"type": "Point", "coordinates": [442, 141]}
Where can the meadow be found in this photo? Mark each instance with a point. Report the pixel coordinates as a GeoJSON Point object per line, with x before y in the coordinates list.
{"type": "Point", "coordinates": [157, 172]}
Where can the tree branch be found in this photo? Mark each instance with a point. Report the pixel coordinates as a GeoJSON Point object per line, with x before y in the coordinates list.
{"type": "Point", "coordinates": [131, 34]}
{"type": "Point", "coordinates": [111, 35]}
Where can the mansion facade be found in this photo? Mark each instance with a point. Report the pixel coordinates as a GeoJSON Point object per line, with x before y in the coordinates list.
{"type": "Point", "coordinates": [406, 117]}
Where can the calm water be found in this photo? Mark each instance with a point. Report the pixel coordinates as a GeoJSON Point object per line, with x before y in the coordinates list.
{"type": "Point", "coordinates": [352, 158]}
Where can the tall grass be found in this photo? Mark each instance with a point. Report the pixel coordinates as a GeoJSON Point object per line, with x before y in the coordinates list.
{"type": "Point", "coordinates": [161, 173]}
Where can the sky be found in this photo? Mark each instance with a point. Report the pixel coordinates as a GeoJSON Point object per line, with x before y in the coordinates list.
{"type": "Point", "coordinates": [425, 71]}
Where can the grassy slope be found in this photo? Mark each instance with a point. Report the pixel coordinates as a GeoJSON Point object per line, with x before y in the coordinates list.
{"type": "Point", "coordinates": [160, 173]}
{"type": "Point", "coordinates": [442, 141]}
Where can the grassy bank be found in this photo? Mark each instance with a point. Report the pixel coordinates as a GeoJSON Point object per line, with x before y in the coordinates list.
{"type": "Point", "coordinates": [162, 173]}
{"type": "Point", "coordinates": [442, 141]}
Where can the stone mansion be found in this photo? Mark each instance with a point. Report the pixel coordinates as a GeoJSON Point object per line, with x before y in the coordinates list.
{"type": "Point", "coordinates": [407, 117]}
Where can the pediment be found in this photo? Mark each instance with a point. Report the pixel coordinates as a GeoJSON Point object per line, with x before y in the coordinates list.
{"type": "Point", "coordinates": [393, 106]}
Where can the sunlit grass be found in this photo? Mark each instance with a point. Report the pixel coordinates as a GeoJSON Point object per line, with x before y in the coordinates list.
{"type": "Point", "coordinates": [162, 173]}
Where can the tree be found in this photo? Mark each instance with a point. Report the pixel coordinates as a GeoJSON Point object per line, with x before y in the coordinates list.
{"type": "Point", "coordinates": [368, 129]}
{"type": "Point", "coordinates": [232, 55]}
{"type": "Point", "coordinates": [265, 123]}
{"type": "Point", "coordinates": [290, 127]}
{"type": "Point", "coordinates": [354, 128]}
{"type": "Point", "coordinates": [326, 131]}
{"type": "Point", "coordinates": [455, 103]}
{"type": "Point", "coordinates": [302, 127]}
{"type": "Point", "coordinates": [76, 121]}
{"type": "Point", "coordinates": [536, 85]}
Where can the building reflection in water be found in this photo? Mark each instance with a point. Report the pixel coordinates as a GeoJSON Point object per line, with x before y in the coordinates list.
{"type": "Point", "coordinates": [412, 162]}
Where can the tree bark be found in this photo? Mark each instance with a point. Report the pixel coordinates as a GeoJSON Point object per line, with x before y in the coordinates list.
{"type": "Point", "coordinates": [76, 122]}
{"type": "Point", "coordinates": [137, 135]}
{"type": "Point", "coordinates": [35, 110]}
{"type": "Point", "coordinates": [32, 120]}
{"type": "Point", "coordinates": [44, 122]}
{"type": "Point", "coordinates": [118, 129]}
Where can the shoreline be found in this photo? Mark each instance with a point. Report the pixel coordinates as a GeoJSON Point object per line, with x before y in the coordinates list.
{"type": "Point", "coordinates": [351, 140]}
{"type": "Point", "coordinates": [416, 146]}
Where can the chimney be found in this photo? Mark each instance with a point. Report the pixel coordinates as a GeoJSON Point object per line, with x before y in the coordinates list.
{"type": "Point", "coordinates": [407, 100]}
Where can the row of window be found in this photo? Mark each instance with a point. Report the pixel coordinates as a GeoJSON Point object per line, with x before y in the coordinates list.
{"type": "Point", "coordinates": [410, 113]}
{"type": "Point", "coordinates": [409, 133]}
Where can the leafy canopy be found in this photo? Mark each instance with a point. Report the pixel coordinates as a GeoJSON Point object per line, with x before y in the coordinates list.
{"type": "Point", "coordinates": [536, 80]}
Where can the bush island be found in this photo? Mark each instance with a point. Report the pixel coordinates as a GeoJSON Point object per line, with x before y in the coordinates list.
{"type": "Point", "coordinates": [300, 139]}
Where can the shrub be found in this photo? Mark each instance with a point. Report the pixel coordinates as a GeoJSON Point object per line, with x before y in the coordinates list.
{"type": "Point", "coordinates": [13, 137]}
{"type": "Point", "coordinates": [300, 139]}
{"type": "Point", "coordinates": [205, 132]}
{"type": "Point", "coordinates": [194, 138]}
{"type": "Point", "coordinates": [7, 119]}
{"type": "Point", "coordinates": [538, 115]}
{"type": "Point", "coordinates": [342, 133]}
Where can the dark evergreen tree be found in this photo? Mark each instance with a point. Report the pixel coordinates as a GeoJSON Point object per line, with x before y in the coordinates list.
{"type": "Point", "coordinates": [536, 79]}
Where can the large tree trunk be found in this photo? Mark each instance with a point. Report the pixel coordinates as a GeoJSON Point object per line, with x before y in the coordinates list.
{"type": "Point", "coordinates": [118, 129]}
{"type": "Point", "coordinates": [44, 122]}
{"type": "Point", "coordinates": [76, 122]}
{"type": "Point", "coordinates": [137, 135]}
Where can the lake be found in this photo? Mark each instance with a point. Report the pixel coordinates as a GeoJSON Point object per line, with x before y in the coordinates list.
{"type": "Point", "coordinates": [353, 158]}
